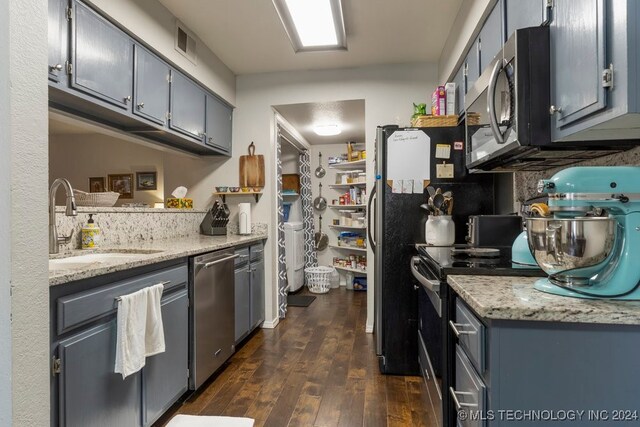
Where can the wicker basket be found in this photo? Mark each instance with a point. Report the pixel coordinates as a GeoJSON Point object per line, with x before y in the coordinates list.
{"type": "Point", "coordinates": [319, 279]}
{"type": "Point", "coordinates": [444, 121]}
{"type": "Point", "coordinates": [106, 199]}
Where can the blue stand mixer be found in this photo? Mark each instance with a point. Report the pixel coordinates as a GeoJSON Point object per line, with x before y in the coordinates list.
{"type": "Point", "coordinates": [590, 247]}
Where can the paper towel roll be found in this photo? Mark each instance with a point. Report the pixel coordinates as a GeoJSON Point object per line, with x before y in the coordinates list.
{"type": "Point", "coordinates": [244, 218]}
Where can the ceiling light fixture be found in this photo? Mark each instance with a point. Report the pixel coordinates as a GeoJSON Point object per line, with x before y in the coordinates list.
{"type": "Point", "coordinates": [327, 130]}
{"type": "Point", "coordinates": [313, 25]}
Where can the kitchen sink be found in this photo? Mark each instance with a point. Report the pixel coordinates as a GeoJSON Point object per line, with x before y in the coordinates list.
{"type": "Point", "coordinates": [85, 260]}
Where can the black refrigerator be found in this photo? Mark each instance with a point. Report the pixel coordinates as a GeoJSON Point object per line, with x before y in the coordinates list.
{"type": "Point", "coordinates": [396, 224]}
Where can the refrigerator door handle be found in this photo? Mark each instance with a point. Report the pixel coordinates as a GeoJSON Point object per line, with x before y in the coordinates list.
{"type": "Point", "coordinates": [371, 214]}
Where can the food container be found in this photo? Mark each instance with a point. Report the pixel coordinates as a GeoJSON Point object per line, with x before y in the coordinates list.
{"type": "Point", "coordinates": [345, 217]}
{"type": "Point", "coordinates": [439, 230]}
{"type": "Point", "coordinates": [173, 203]}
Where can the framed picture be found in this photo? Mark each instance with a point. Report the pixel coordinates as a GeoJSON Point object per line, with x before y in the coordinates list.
{"type": "Point", "coordinates": [146, 181]}
{"type": "Point", "coordinates": [122, 184]}
{"type": "Point", "coordinates": [96, 184]}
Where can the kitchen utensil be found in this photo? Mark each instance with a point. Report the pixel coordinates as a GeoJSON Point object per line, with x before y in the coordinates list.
{"type": "Point", "coordinates": [234, 189]}
{"type": "Point", "coordinates": [245, 189]}
{"type": "Point", "coordinates": [431, 191]}
{"type": "Point", "coordinates": [252, 169]}
{"type": "Point", "coordinates": [520, 253]}
{"type": "Point", "coordinates": [321, 239]}
{"type": "Point", "coordinates": [590, 246]}
{"type": "Point", "coordinates": [222, 189]}
{"type": "Point", "coordinates": [320, 203]}
{"type": "Point", "coordinates": [320, 172]}
{"type": "Point", "coordinates": [438, 201]}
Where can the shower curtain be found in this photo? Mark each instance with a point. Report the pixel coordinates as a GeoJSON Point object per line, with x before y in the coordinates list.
{"type": "Point", "coordinates": [283, 284]}
{"type": "Point", "coordinates": [310, 254]}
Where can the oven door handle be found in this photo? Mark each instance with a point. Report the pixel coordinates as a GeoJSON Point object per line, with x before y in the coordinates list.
{"type": "Point", "coordinates": [491, 102]}
{"type": "Point", "coordinates": [430, 285]}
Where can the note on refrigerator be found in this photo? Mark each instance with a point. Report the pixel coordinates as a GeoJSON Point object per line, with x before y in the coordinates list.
{"type": "Point", "coordinates": [407, 186]}
{"type": "Point", "coordinates": [418, 186]}
{"type": "Point", "coordinates": [409, 155]}
{"type": "Point", "coordinates": [397, 186]}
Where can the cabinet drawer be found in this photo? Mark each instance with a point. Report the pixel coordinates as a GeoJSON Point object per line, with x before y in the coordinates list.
{"type": "Point", "coordinates": [83, 307]}
{"type": "Point", "coordinates": [243, 256]}
{"type": "Point", "coordinates": [469, 392]}
{"type": "Point", "coordinates": [257, 251]}
{"type": "Point", "coordinates": [470, 333]}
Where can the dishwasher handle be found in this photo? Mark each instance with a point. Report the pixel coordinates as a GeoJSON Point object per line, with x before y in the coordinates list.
{"type": "Point", "coordinates": [218, 261]}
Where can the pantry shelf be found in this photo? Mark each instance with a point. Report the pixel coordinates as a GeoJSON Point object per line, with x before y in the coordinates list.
{"type": "Point", "coordinates": [349, 248]}
{"type": "Point", "coordinates": [358, 164]}
{"type": "Point", "coordinates": [351, 270]}
{"type": "Point", "coordinates": [346, 186]}
{"type": "Point", "coordinates": [348, 206]}
{"type": "Point", "coordinates": [347, 227]}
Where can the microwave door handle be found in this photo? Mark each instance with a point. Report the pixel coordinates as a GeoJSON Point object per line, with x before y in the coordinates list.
{"type": "Point", "coordinates": [491, 102]}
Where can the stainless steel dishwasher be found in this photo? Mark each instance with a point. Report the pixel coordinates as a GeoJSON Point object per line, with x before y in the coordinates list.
{"type": "Point", "coordinates": [212, 314]}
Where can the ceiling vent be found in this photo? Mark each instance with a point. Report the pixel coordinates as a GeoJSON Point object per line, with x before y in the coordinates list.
{"type": "Point", "coordinates": [185, 42]}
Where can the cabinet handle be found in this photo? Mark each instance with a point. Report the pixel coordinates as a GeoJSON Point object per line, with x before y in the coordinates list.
{"type": "Point", "coordinates": [57, 67]}
{"type": "Point", "coordinates": [460, 405]}
{"type": "Point", "coordinates": [127, 99]}
{"type": "Point", "coordinates": [458, 332]}
{"type": "Point", "coordinates": [141, 106]}
{"type": "Point", "coordinates": [555, 110]}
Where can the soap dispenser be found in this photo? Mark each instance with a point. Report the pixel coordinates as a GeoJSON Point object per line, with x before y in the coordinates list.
{"type": "Point", "coordinates": [90, 234]}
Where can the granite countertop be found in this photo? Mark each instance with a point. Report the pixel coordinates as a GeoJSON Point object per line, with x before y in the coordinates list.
{"type": "Point", "coordinates": [514, 298]}
{"type": "Point", "coordinates": [156, 251]}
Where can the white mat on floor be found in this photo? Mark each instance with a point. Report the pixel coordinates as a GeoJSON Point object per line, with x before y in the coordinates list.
{"type": "Point", "coordinates": [209, 421]}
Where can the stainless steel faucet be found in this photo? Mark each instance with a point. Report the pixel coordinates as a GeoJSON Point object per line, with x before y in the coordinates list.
{"type": "Point", "coordinates": [54, 240]}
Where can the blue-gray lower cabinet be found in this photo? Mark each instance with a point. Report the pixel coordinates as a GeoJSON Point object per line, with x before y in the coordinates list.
{"type": "Point", "coordinates": [85, 389]}
{"type": "Point", "coordinates": [537, 366]}
{"type": "Point", "coordinates": [242, 302]}
{"type": "Point", "coordinates": [102, 57]}
{"type": "Point", "coordinates": [165, 375]}
{"type": "Point", "coordinates": [249, 297]}
{"type": "Point", "coordinates": [90, 393]}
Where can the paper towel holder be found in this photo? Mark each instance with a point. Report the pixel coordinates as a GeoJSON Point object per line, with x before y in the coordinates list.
{"type": "Point", "coordinates": [244, 218]}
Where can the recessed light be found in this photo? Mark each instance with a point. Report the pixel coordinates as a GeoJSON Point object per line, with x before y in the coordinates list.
{"type": "Point", "coordinates": [327, 130]}
{"type": "Point", "coordinates": [313, 25]}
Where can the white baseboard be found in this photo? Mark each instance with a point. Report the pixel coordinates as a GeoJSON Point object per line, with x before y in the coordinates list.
{"type": "Point", "coordinates": [368, 328]}
{"type": "Point", "coordinates": [271, 324]}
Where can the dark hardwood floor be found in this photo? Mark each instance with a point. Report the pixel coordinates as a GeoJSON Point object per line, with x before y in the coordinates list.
{"type": "Point", "coordinates": [317, 368]}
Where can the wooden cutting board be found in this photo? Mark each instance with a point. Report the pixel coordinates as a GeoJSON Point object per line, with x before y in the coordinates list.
{"type": "Point", "coordinates": [252, 169]}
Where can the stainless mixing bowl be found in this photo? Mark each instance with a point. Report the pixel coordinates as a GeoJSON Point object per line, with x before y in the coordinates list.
{"type": "Point", "coordinates": [560, 245]}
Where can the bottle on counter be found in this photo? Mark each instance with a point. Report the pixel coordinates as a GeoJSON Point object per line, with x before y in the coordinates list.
{"type": "Point", "coordinates": [90, 234]}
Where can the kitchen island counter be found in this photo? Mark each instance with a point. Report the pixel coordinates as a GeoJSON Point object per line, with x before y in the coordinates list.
{"type": "Point", "coordinates": [514, 298]}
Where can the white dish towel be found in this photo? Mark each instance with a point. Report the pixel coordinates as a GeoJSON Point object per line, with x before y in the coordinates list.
{"type": "Point", "coordinates": [140, 332]}
{"type": "Point", "coordinates": [209, 421]}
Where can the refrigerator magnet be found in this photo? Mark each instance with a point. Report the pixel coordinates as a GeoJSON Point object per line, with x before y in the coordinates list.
{"type": "Point", "coordinates": [396, 186]}
{"type": "Point", "coordinates": [407, 186]}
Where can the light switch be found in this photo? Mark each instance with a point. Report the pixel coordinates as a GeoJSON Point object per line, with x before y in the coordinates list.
{"type": "Point", "coordinates": [444, 170]}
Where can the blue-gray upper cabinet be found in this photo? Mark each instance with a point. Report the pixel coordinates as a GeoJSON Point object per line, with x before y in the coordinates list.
{"type": "Point", "coordinates": [151, 86]}
{"type": "Point", "coordinates": [188, 102]}
{"type": "Point", "coordinates": [577, 59]}
{"type": "Point", "coordinates": [491, 37]}
{"type": "Point", "coordinates": [90, 393]}
{"type": "Point", "coordinates": [58, 40]}
{"type": "Point", "coordinates": [257, 293]}
{"type": "Point", "coordinates": [164, 376]}
{"type": "Point", "coordinates": [523, 14]}
{"type": "Point", "coordinates": [460, 90]}
{"type": "Point", "coordinates": [102, 57]}
{"type": "Point", "coordinates": [471, 66]}
{"type": "Point", "coordinates": [219, 123]}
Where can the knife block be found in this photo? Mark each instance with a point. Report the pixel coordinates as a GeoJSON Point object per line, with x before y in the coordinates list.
{"type": "Point", "coordinates": [208, 229]}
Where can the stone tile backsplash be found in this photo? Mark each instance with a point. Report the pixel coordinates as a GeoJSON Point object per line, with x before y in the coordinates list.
{"type": "Point", "coordinates": [128, 226]}
{"type": "Point", "coordinates": [526, 182]}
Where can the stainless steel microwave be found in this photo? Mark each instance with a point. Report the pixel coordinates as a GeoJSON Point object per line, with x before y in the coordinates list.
{"type": "Point", "coordinates": [507, 112]}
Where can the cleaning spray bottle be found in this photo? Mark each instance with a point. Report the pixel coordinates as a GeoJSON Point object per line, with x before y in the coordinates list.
{"type": "Point", "coordinates": [90, 234]}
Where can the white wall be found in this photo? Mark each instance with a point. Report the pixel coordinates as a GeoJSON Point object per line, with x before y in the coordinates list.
{"type": "Point", "coordinates": [78, 157]}
{"type": "Point", "coordinates": [152, 22]}
{"type": "Point", "coordinates": [471, 13]}
{"type": "Point", "coordinates": [28, 100]}
{"type": "Point", "coordinates": [388, 91]}
{"type": "Point", "coordinates": [5, 222]}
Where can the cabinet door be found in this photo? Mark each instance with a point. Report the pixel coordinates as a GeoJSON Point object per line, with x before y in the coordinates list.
{"type": "Point", "coordinates": [187, 106]}
{"type": "Point", "coordinates": [491, 37]}
{"type": "Point", "coordinates": [242, 302]}
{"type": "Point", "coordinates": [90, 392]}
{"type": "Point", "coordinates": [472, 67]}
{"type": "Point", "coordinates": [219, 117]}
{"type": "Point", "coordinates": [577, 59]}
{"type": "Point", "coordinates": [459, 81]}
{"type": "Point", "coordinates": [164, 377]}
{"type": "Point", "coordinates": [151, 86]}
{"type": "Point", "coordinates": [58, 40]}
{"type": "Point", "coordinates": [257, 293]}
{"type": "Point", "coordinates": [102, 58]}
{"type": "Point", "coordinates": [523, 14]}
